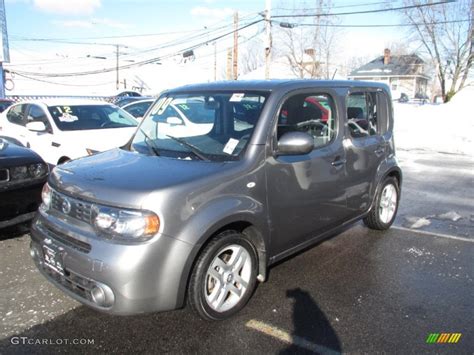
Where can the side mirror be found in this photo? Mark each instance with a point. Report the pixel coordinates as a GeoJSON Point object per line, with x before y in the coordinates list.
{"type": "Point", "coordinates": [36, 126]}
{"type": "Point", "coordinates": [173, 120]}
{"type": "Point", "coordinates": [295, 143]}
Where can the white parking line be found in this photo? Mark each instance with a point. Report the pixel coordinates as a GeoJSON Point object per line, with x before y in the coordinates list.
{"type": "Point", "coordinates": [288, 338]}
{"type": "Point", "coordinates": [433, 234]}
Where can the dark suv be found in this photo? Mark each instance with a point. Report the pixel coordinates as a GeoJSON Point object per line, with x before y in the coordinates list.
{"type": "Point", "coordinates": [199, 206]}
{"type": "Point", "coordinates": [22, 176]}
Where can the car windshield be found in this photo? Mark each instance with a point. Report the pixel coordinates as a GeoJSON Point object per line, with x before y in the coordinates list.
{"type": "Point", "coordinates": [83, 117]}
{"type": "Point", "coordinates": [204, 126]}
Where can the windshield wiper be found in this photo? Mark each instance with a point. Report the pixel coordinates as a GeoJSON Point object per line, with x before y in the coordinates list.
{"type": "Point", "coordinates": [150, 143]}
{"type": "Point", "coordinates": [195, 150]}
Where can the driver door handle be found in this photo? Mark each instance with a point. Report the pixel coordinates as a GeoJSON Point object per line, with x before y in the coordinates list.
{"type": "Point", "coordinates": [338, 162]}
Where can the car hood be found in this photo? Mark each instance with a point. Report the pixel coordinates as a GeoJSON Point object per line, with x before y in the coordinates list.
{"type": "Point", "coordinates": [12, 155]}
{"type": "Point", "coordinates": [100, 139]}
{"type": "Point", "coordinates": [122, 178]}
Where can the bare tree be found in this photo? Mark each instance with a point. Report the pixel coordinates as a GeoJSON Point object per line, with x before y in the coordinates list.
{"type": "Point", "coordinates": [251, 56]}
{"type": "Point", "coordinates": [309, 46]}
{"type": "Point", "coordinates": [446, 34]}
{"type": "Point", "coordinates": [300, 57]}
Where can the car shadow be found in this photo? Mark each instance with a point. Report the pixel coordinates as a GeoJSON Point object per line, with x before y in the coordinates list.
{"type": "Point", "coordinates": [15, 231]}
{"type": "Point", "coordinates": [310, 326]}
{"type": "Point", "coordinates": [179, 331]}
{"type": "Point", "coordinates": [83, 330]}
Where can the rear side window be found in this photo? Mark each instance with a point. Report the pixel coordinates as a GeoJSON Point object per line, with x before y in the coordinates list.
{"type": "Point", "coordinates": [362, 114]}
{"type": "Point", "coordinates": [15, 115]}
{"type": "Point", "coordinates": [138, 109]}
{"type": "Point", "coordinates": [310, 113]}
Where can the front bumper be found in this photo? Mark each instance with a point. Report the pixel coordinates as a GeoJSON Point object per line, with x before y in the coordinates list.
{"type": "Point", "coordinates": [19, 203]}
{"type": "Point", "coordinates": [110, 277]}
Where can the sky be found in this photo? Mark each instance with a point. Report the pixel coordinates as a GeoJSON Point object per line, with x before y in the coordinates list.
{"type": "Point", "coordinates": [83, 24]}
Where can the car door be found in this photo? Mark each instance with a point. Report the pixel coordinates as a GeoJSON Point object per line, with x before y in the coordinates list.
{"type": "Point", "coordinates": [14, 125]}
{"type": "Point", "coordinates": [305, 192]}
{"type": "Point", "coordinates": [366, 112]}
{"type": "Point", "coordinates": [41, 142]}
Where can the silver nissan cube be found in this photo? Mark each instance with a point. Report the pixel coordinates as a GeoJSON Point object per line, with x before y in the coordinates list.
{"type": "Point", "coordinates": [219, 182]}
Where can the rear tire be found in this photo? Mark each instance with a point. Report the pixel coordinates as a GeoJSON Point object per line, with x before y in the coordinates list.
{"type": "Point", "coordinates": [224, 276]}
{"type": "Point", "coordinates": [384, 211]}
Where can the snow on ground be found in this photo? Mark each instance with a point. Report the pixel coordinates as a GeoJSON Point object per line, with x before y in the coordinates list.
{"type": "Point", "coordinates": [445, 128]}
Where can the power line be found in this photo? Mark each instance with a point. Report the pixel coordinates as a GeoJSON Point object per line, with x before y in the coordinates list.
{"type": "Point", "coordinates": [63, 84]}
{"type": "Point", "coordinates": [341, 6]}
{"type": "Point", "coordinates": [144, 62]}
{"type": "Point", "coordinates": [73, 40]}
{"type": "Point", "coordinates": [168, 44]}
{"type": "Point", "coordinates": [366, 11]}
{"type": "Point", "coordinates": [291, 25]}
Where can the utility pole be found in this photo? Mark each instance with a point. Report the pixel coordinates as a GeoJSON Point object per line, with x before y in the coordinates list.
{"type": "Point", "coordinates": [117, 81]}
{"type": "Point", "coordinates": [215, 61]}
{"type": "Point", "coordinates": [236, 46]}
{"type": "Point", "coordinates": [4, 50]}
{"type": "Point", "coordinates": [268, 33]}
{"type": "Point", "coordinates": [229, 64]}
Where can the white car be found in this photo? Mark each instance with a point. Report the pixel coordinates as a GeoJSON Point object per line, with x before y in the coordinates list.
{"type": "Point", "coordinates": [63, 129]}
{"type": "Point", "coordinates": [181, 119]}
{"type": "Point", "coordinates": [138, 108]}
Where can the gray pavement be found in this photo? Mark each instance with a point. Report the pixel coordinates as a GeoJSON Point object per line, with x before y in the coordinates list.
{"type": "Point", "coordinates": [359, 292]}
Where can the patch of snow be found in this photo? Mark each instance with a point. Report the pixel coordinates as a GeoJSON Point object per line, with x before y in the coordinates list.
{"type": "Point", "coordinates": [446, 128]}
{"type": "Point", "coordinates": [451, 215]}
{"type": "Point", "coordinates": [415, 251]}
{"type": "Point", "coordinates": [417, 222]}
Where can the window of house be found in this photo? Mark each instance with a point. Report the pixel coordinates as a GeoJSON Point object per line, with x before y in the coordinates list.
{"type": "Point", "coordinates": [310, 113]}
{"type": "Point", "coordinates": [362, 114]}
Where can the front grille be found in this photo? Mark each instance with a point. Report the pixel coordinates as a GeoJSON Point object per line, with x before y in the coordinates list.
{"type": "Point", "coordinates": [78, 209]}
{"type": "Point", "coordinates": [73, 282]}
{"type": "Point", "coordinates": [4, 175]}
{"type": "Point", "coordinates": [68, 241]}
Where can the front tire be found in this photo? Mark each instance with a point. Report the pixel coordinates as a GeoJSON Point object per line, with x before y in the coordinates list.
{"type": "Point", "coordinates": [384, 211]}
{"type": "Point", "coordinates": [224, 276]}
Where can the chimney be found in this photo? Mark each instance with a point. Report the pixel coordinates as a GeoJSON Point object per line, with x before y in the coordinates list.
{"type": "Point", "coordinates": [386, 56]}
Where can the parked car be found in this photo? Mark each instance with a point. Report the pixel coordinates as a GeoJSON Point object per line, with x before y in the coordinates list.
{"type": "Point", "coordinates": [65, 129]}
{"type": "Point", "coordinates": [5, 103]}
{"type": "Point", "coordinates": [122, 101]}
{"type": "Point", "coordinates": [128, 93]}
{"type": "Point", "coordinates": [403, 98]}
{"type": "Point", "coordinates": [201, 217]}
{"type": "Point", "coordinates": [422, 97]}
{"type": "Point", "coordinates": [22, 176]}
{"type": "Point", "coordinates": [138, 108]}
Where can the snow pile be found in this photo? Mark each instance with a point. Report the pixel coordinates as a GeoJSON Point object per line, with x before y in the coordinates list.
{"type": "Point", "coordinates": [446, 128]}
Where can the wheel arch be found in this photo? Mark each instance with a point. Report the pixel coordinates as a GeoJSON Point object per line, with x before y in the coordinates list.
{"type": "Point", "coordinates": [240, 225]}
{"type": "Point", "coordinates": [393, 171]}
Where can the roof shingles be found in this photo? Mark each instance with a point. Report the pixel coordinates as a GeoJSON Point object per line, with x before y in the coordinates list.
{"type": "Point", "coordinates": [398, 65]}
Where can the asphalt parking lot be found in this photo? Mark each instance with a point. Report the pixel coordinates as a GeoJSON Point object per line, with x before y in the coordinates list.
{"type": "Point", "coordinates": [359, 292]}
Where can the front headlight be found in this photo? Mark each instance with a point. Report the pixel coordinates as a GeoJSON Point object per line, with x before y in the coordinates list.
{"type": "Point", "coordinates": [46, 196]}
{"type": "Point", "coordinates": [18, 173]}
{"type": "Point", "coordinates": [32, 171]}
{"type": "Point", "coordinates": [125, 224]}
{"type": "Point", "coordinates": [37, 170]}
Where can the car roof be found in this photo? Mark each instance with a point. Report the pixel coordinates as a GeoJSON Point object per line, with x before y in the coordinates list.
{"type": "Point", "coordinates": [137, 102]}
{"type": "Point", "coordinates": [275, 84]}
{"type": "Point", "coordinates": [65, 102]}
